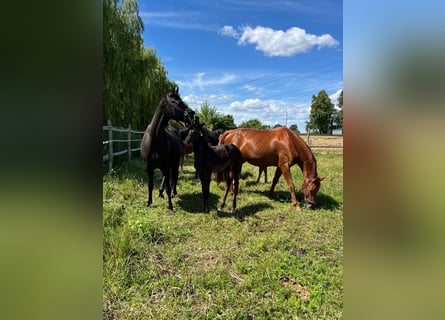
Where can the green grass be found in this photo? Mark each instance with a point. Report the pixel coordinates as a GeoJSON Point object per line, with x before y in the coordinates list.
{"type": "Point", "coordinates": [266, 261]}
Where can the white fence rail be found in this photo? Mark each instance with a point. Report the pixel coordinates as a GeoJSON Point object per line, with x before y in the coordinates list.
{"type": "Point", "coordinates": [110, 142]}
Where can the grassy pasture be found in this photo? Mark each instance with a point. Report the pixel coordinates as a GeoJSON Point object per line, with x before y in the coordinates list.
{"type": "Point", "coordinates": [266, 261]}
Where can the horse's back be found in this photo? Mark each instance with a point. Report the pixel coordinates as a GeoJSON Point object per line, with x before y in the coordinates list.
{"type": "Point", "coordinates": [168, 146]}
{"type": "Point", "coordinates": [256, 146]}
{"type": "Point", "coordinates": [265, 147]}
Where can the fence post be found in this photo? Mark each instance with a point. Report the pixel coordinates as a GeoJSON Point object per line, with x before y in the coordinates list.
{"type": "Point", "coordinates": [129, 142]}
{"type": "Point", "coordinates": [110, 146]}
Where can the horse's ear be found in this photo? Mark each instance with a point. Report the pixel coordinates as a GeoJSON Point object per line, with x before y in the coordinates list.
{"type": "Point", "coordinates": [176, 90]}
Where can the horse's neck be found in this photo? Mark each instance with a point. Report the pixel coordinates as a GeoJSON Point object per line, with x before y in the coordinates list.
{"type": "Point", "coordinates": [307, 161]}
{"type": "Point", "coordinates": [201, 146]}
{"type": "Point", "coordinates": [158, 122]}
{"type": "Point", "coordinates": [310, 168]}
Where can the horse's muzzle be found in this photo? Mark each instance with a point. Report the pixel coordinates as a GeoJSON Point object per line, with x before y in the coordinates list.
{"type": "Point", "coordinates": [189, 117]}
{"type": "Point", "coordinates": [310, 204]}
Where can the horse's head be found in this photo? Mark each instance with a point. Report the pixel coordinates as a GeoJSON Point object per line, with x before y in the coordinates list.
{"type": "Point", "coordinates": [194, 133]}
{"type": "Point", "coordinates": [310, 188]}
{"type": "Point", "coordinates": [178, 109]}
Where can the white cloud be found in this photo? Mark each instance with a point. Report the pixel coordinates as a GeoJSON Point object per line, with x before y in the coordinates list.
{"type": "Point", "coordinates": [200, 80]}
{"type": "Point", "coordinates": [269, 112]}
{"type": "Point", "coordinates": [277, 42]}
{"type": "Point", "coordinates": [195, 101]}
{"type": "Point", "coordinates": [334, 96]}
{"type": "Point", "coordinates": [228, 31]}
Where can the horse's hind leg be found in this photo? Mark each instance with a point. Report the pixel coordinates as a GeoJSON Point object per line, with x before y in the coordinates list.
{"type": "Point", "coordinates": [174, 179]}
{"type": "Point", "coordinates": [226, 190]}
{"type": "Point", "coordinates": [260, 171]}
{"type": "Point", "coordinates": [161, 188]}
{"type": "Point", "coordinates": [235, 189]}
{"type": "Point", "coordinates": [169, 194]}
{"type": "Point", "coordinates": [265, 174]}
{"type": "Point", "coordinates": [274, 183]}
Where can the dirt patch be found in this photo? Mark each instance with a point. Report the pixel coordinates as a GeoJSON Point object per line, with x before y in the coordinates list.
{"type": "Point", "coordinates": [302, 291]}
{"type": "Point", "coordinates": [324, 143]}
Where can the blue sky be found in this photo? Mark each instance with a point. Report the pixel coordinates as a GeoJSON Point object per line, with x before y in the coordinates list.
{"type": "Point", "coordinates": [249, 58]}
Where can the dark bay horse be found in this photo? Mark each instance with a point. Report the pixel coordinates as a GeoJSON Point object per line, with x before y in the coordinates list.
{"type": "Point", "coordinates": [281, 148]}
{"type": "Point", "coordinates": [161, 145]}
{"type": "Point", "coordinates": [211, 137]}
{"type": "Point", "coordinates": [208, 159]}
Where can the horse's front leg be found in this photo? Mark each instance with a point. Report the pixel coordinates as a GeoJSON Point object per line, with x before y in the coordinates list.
{"type": "Point", "coordinates": [205, 178]}
{"type": "Point", "coordinates": [150, 174]}
{"type": "Point", "coordinates": [286, 173]}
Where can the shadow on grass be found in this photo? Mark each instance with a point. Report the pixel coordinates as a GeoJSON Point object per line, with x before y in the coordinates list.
{"type": "Point", "coordinates": [251, 183]}
{"type": "Point", "coordinates": [242, 212]}
{"type": "Point", "coordinates": [194, 202]}
{"type": "Point", "coordinates": [324, 201]}
{"type": "Point", "coordinates": [246, 174]}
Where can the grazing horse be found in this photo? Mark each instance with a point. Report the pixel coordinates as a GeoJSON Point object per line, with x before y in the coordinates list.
{"type": "Point", "coordinates": [226, 158]}
{"type": "Point", "coordinates": [281, 148]}
{"type": "Point", "coordinates": [161, 145]}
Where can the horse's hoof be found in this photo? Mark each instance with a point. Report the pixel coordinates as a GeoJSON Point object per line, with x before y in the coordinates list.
{"type": "Point", "coordinates": [161, 196]}
{"type": "Point", "coordinates": [171, 213]}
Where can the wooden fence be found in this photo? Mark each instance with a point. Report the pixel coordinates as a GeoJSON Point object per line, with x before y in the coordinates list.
{"type": "Point", "coordinates": [319, 145]}
{"type": "Point", "coordinates": [110, 155]}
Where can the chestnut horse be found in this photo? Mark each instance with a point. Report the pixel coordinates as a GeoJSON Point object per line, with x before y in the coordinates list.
{"type": "Point", "coordinates": [161, 145]}
{"type": "Point", "coordinates": [281, 148]}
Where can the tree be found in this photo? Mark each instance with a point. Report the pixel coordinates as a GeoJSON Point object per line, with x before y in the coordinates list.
{"type": "Point", "coordinates": [225, 122]}
{"type": "Point", "coordinates": [322, 113]}
{"type": "Point", "coordinates": [134, 78]}
{"type": "Point", "coordinates": [212, 119]}
{"type": "Point", "coordinates": [252, 123]}
{"type": "Point", "coordinates": [206, 115]}
{"type": "Point", "coordinates": [338, 119]}
{"type": "Point", "coordinates": [294, 128]}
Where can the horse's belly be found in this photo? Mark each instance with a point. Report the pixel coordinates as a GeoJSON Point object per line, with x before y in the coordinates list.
{"type": "Point", "coordinates": [263, 162]}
